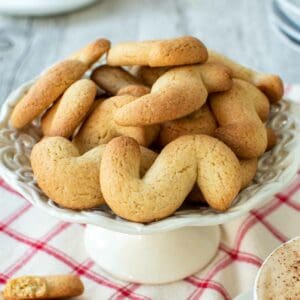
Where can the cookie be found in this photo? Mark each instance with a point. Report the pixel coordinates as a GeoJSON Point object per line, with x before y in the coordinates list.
{"type": "Point", "coordinates": [211, 73]}
{"type": "Point", "coordinates": [117, 81]}
{"type": "Point", "coordinates": [272, 138]}
{"type": "Point", "coordinates": [173, 52]}
{"type": "Point", "coordinates": [156, 195]}
{"type": "Point", "coordinates": [195, 196]}
{"type": "Point", "coordinates": [147, 74]}
{"type": "Point", "coordinates": [135, 90]}
{"type": "Point", "coordinates": [67, 113]}
{"type": "Point", "coordinates": [100, 126]}
{"type": "Point", "coordinates": [248, 171]}
{"type": "Point", "coordinates": [262, 106]}
{"type": "Point", "coordinates": [71, 180]}
{"type": "Point", "coordinates": [201, 121]}
{"type": "Point", "coordinates": [177, 93]}
{"type": "Point", "coordinates": [271, 85]}
{"type": "Point", "coordinates": [43, 287]}
{"type": "Point", "coordinates": [92, 52]}
{"type": "Point", "coordinates": [52, 83]}
{"type": "Point", "coordinates": [240, 125]}
{"type": "Point", "coordinates": [48, 88]}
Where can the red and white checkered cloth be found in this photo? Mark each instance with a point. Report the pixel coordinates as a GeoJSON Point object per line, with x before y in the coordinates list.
{"type": "Point", "coordinates": [32, 242]}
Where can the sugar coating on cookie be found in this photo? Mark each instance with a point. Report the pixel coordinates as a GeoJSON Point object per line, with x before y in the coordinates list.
{"type": "Point", "coordinates": [67, 113]}
{"type": "Point", "coordinates": [156, 195]}
{"type": "Point", "coordinates": [173, 52]}
{"type": "Point", "coordinates": [100, 127]}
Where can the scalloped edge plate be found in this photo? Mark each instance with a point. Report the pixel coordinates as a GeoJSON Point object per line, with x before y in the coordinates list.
{"type": "Point", "coordinates": [20, 177]}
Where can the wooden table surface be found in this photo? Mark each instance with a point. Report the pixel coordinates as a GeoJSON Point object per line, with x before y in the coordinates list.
{"type": "Point", "coordinates": [238, 28]}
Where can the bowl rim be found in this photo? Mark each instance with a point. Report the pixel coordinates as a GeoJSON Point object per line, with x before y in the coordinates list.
{"type": "Point", "coordinates": [41, 8]}
{"type": "Point", "coordinates": [289, 7]}
{"type": "Point", "coordinates": [173, 222]}
{"type": "Point", "coordinates": [284, 23]}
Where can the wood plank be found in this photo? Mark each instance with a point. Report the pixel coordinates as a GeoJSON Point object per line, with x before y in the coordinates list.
{"type": "Point", "coordinates": [240, 29]}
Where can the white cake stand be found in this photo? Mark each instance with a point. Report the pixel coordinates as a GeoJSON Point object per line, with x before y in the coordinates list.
{"type": "Point", "coordinates": [162, 251]}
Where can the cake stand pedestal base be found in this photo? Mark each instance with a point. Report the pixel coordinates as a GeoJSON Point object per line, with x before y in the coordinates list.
{"type": "Point", "coordinates": [152, 258]}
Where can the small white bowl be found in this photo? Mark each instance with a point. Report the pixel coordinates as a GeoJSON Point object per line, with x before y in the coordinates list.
{"type": "Point", "coordinates": [285, 38]}
{"type": "Point", "coordinates": [162, 251]}
{"type": "Point", "coordinates": [284, 24]}
{"type": "Point", "coordinates": [284, 32]}
{"type": "Point", "coordinates": [291, 9]}
{"type": "Point", "coordinates": [41, 7]}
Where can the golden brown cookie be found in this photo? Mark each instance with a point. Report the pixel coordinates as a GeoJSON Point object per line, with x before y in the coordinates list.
{"type": "Point", "coordinates": [92, 52]}
{"type": "Point", "coordinates": [156, 195]}
{"type": "Point", "coordinates": [173, 52]}
{"type": "Point", "coordinates": [48, 87]}
{"type": "Point", "coordinates": [211, 73]}
{"type": "Point", "coordinates": [67, 113]}
{"type": "Point", "coordinates": [100, 126]}
{"type": "Point", "coordinates": [135, 90]}
{"type": "Point", "coordinates": [271, 85]}
{"type": "Point", "coordinates": [248, 171]}
{"type": "Point", "coordinates": [272, 138]}
{"type": "Point", "coordinates": [43, 287]}
{"type": "Point", "coordinates": [262, 107]}
{"type": "Point", "coordinates": [177, 93]}
{"type": "Point", "coordinates": [71, 180]}
{"type": "Point", "coordinates": [201, 121]}
{"type": "Point", "coordinates": [117, 81]}
{"type": "Point", "coordinates": [147, 74]}
{"type": "Point", "coordinates": [240, 125]}
{"type": "Point", "coordinates": [52, 83]}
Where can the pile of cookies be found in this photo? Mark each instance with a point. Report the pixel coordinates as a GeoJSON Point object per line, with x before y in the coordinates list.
{"type": "Point", "coordinates": [161, 122]}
